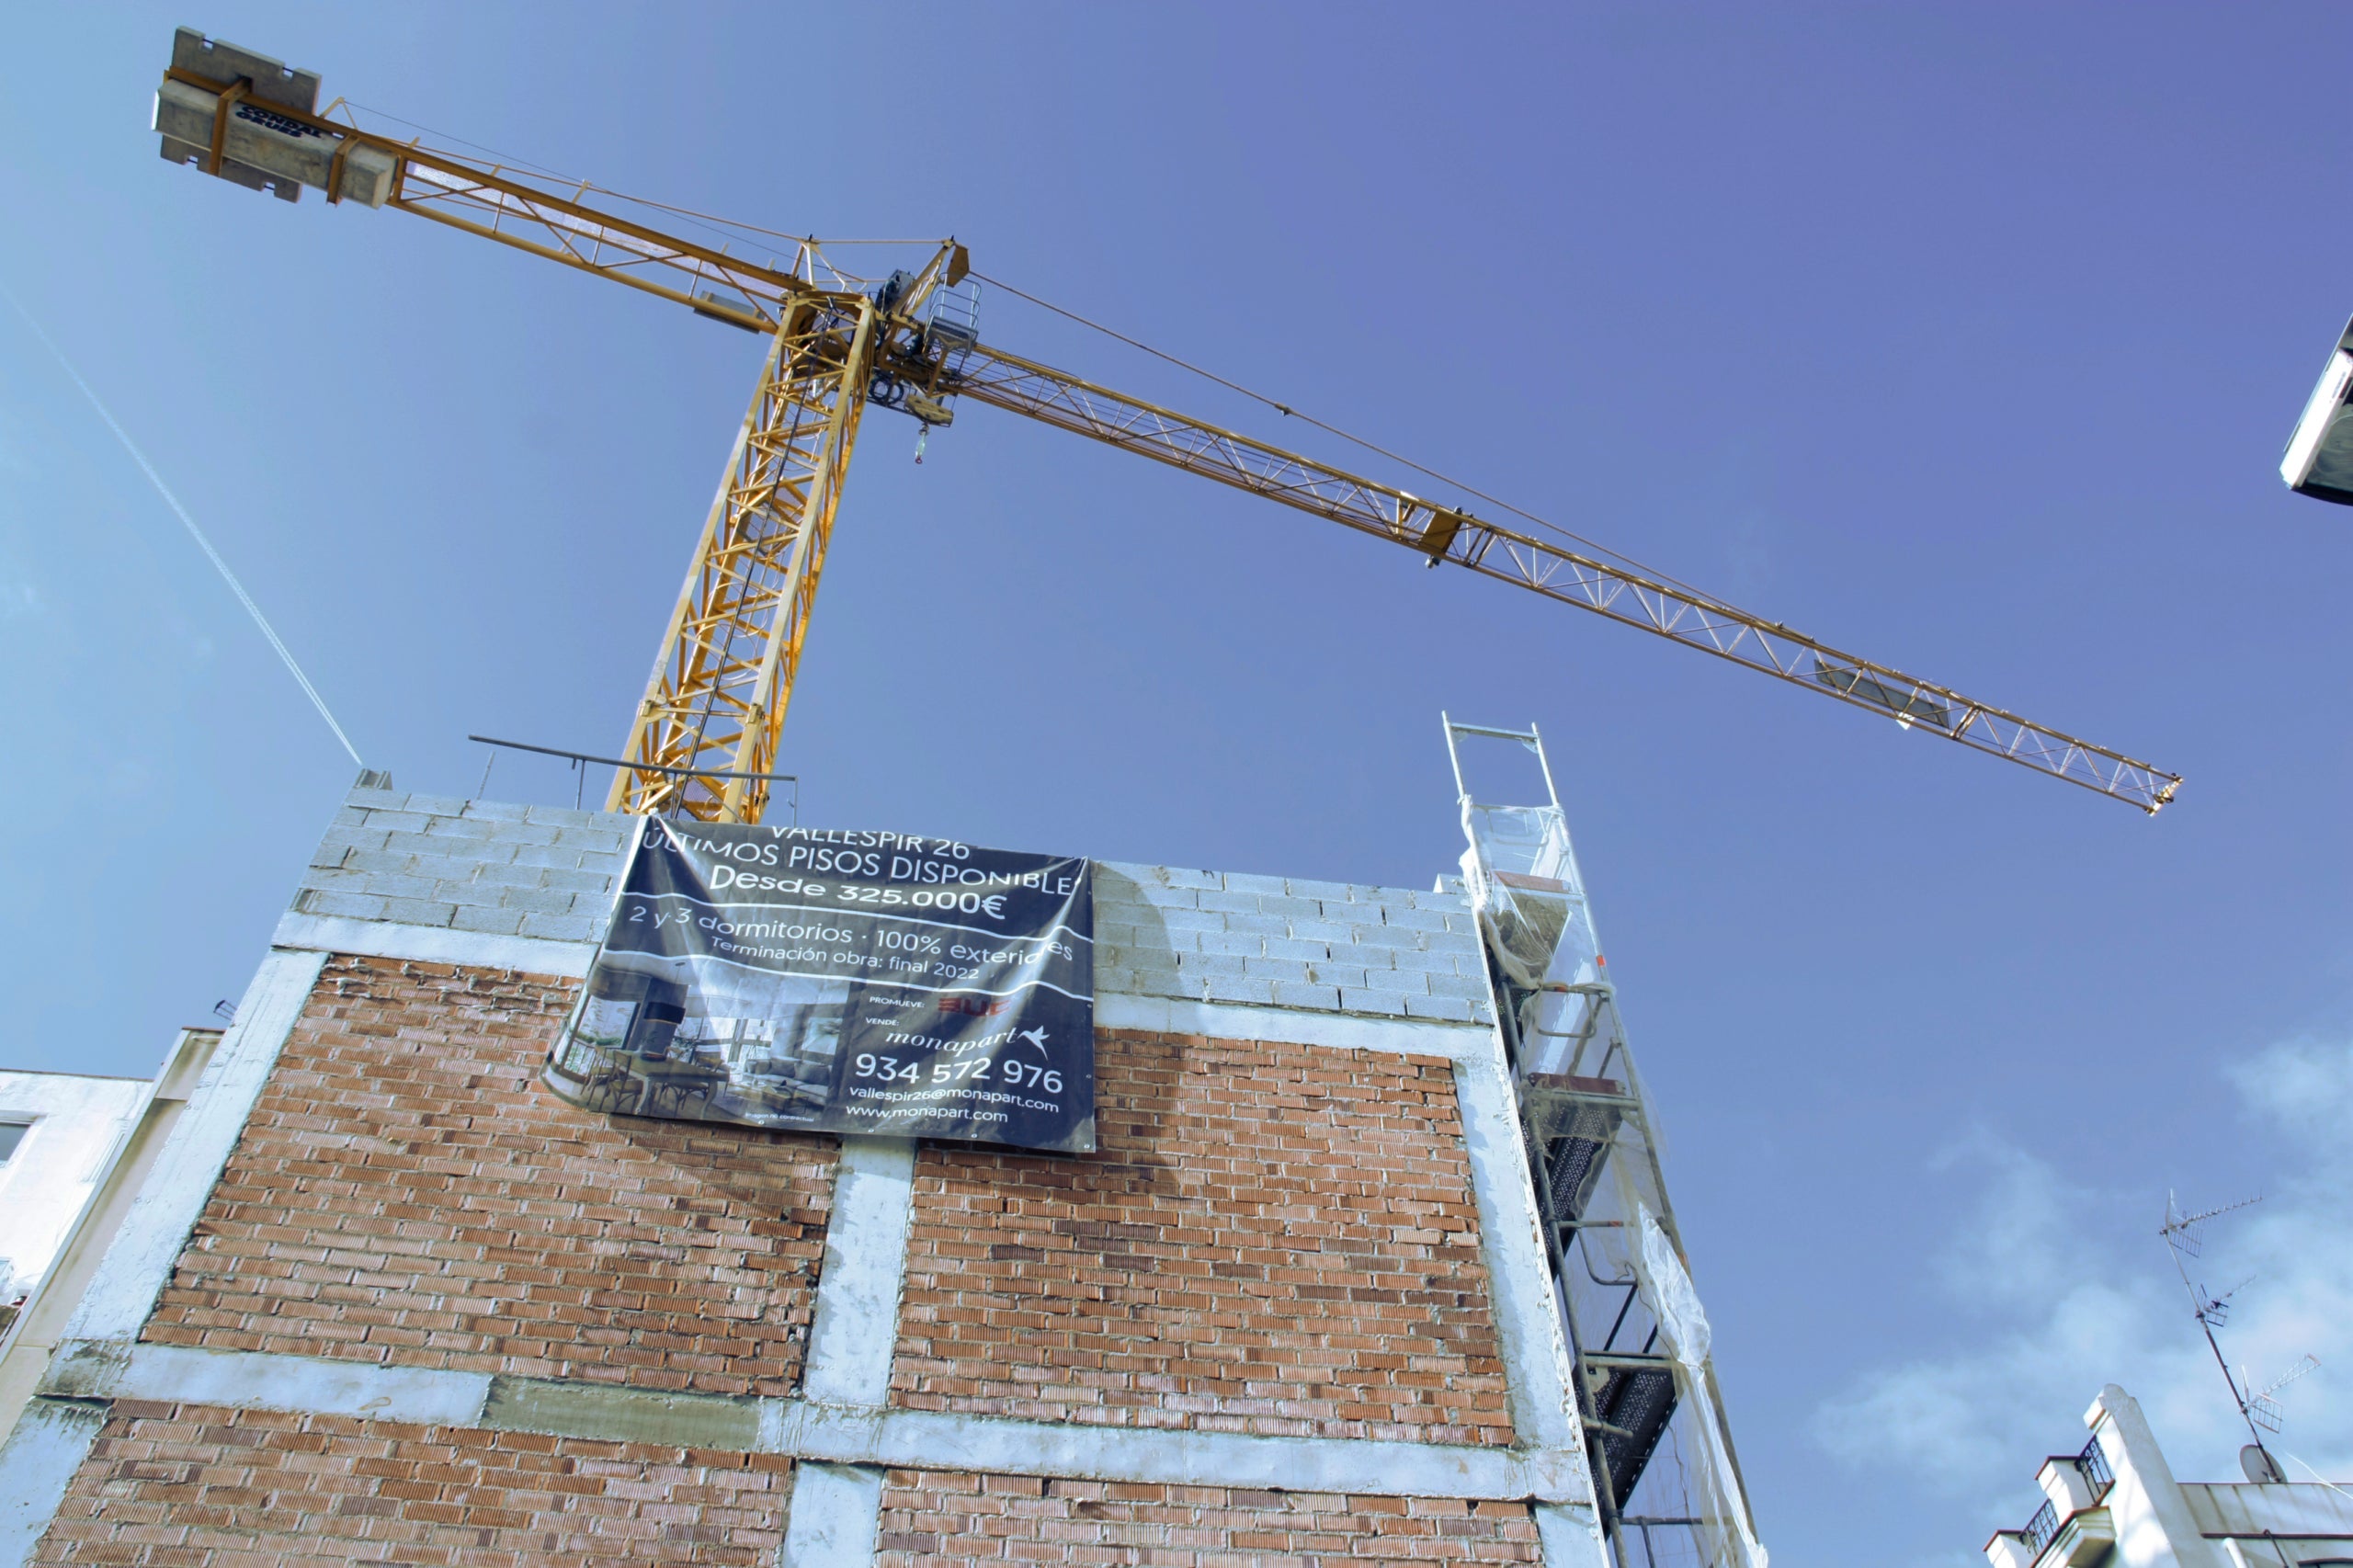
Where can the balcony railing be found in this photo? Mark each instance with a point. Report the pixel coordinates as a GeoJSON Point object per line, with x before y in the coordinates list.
{"type": "Point", "coordinates": [2094, 1465]}
{"type": "Point", "coordinates": [2041, 1529]}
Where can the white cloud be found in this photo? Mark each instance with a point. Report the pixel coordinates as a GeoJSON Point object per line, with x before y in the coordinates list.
{"type": "Point", "coordinates": [2071, 1298]}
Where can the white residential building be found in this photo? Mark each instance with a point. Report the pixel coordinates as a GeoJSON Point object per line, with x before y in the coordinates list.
{"type": "Point", "coordinates": [2115, 1505]}
{"type": "Point", "coordinates": [74, 1151]}
{"type": "Point", "coordinates": [57, 1133]}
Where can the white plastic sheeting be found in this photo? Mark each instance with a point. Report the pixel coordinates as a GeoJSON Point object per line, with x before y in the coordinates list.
{"type": "Point", "coordinates": [1529, 897]}
{"type": "Point", "coordinates": [1683, 1323]}
{"type": "Point", "coordinates": [1523, 882]}
{"type": "Point", "coordinates": [1680, 1317]}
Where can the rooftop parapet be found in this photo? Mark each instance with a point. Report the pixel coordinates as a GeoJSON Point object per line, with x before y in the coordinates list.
{"type": "Point", "coordinates": [543, 876]}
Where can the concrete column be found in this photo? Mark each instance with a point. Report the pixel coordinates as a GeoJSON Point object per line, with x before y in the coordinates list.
{"type": "Point", "coordinates": [1520, 1287]}
{"type": "Point", "coordinates": [852, 1336]}
{"type": "Point", "coordinates": [837, 1509]}
{"type": "Point", "coordinates": [51, 1440]}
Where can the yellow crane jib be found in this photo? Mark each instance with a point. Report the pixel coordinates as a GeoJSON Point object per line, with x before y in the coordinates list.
{"type": "Point", "coordinates": [1907, 703]}
{"type": "Point", "coordinates": [905, 337]}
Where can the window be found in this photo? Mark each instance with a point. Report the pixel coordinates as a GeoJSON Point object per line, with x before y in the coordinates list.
{"type": "Point", "coordinates": [11, 1134]}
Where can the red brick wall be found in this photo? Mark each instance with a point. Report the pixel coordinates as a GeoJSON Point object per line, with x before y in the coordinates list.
{"type": "Point", "coordinates": [197, 1487]}
{"type": "Point", "coordinates": [1272, 1238]}
{"type": "Point", "coordinates": [406, 1192]}
{"type": "Point", "coordinates": [933, 1519]}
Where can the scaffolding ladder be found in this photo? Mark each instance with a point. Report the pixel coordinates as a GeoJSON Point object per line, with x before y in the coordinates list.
{"type": "Point", "coordinates": [1667, 1485]}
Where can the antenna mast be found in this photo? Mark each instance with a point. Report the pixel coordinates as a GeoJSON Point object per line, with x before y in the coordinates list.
{"type": "Point", "coordinates": [2257, 1408]}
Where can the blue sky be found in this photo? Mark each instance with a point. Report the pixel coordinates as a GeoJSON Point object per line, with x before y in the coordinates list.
{"type": "Point", "coordinates": [1965, 336]}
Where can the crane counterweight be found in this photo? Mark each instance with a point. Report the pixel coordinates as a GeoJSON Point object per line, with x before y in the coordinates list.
{"type": "Point", "coordinates": [247, 119]}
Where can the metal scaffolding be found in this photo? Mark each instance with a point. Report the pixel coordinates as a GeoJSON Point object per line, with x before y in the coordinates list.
{"type": "Point", "coordinates": [1668, 1486]}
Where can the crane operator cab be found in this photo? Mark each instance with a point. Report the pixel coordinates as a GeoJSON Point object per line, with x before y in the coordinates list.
{"type": "Point", "coordinates": [2319, 462]}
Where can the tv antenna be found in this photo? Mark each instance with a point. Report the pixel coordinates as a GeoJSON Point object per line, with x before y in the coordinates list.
{"type": "Point", "coordinates": [2262, 1406]}
{"type": "Point", "coordinates": [2258, 1408]}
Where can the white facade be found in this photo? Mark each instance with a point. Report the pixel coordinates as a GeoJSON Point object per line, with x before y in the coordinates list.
{"type": "Point", "coordinates": [70, 1180]}
{"type": "Point", "coordinates": [2115, 1505]}
{"type": "Point", "coordinates": [72, 1125]}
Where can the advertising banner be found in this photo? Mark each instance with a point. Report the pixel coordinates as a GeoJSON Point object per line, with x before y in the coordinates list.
{"type": "Point", "coordinates": [869, 982]}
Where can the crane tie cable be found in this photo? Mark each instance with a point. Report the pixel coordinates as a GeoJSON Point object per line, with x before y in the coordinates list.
{"type": "Point", "coordinates": [1287, 411]}
{"type": "Point", "coordinates": [1697, 595]}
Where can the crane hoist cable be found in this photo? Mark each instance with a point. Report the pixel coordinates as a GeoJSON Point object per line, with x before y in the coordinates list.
{"type": "Point", "coordinates": [905, 337]}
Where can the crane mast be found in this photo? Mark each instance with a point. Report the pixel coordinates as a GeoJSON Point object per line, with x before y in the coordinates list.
{"type": "Point", "coordinates": [729, 658]}
{"type": "Point", "coordinates": [709, 725]}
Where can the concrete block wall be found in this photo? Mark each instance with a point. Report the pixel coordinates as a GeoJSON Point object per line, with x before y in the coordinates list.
{"type": "Point", "coordinates": [543, 872]}
{"type": "Point", "coordinates": [390, 1299]}
{"type": "Point", "coordinates": [483, 865]}
{"type": "Point", "coordinates": [1288, 942]}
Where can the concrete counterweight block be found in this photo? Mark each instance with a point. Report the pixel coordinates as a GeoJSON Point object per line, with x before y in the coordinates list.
{"type": "Point", "coordinates": [264, 146]}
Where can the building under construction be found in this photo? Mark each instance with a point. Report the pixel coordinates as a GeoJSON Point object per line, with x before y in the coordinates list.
{"type": "Point", "coordinates": [1370, 1260]}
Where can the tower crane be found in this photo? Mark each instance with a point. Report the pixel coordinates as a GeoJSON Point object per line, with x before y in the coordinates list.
{"type": "Point", "coordinates": [707, 729]}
